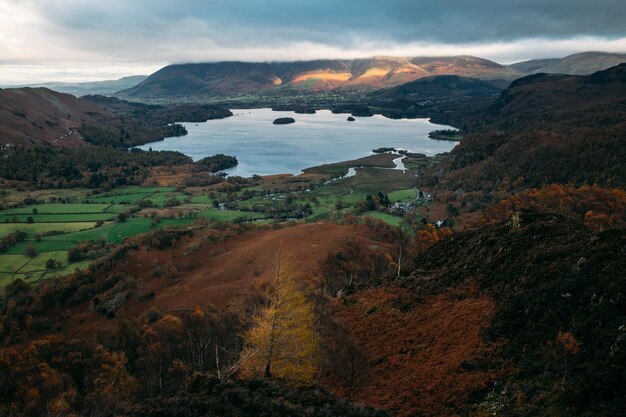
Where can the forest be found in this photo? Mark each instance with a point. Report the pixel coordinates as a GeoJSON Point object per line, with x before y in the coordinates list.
{"type": "Point", "coordinates": [91, 167]}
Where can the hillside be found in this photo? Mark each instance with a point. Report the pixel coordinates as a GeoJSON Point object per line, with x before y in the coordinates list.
{"type": "Point", "coordinates": [510, 317]}
{"type": "Point", "coordinates": [542, 129]}
{"type": "Point", "coordinates": [234, 78]}
{"type": "Point", "coordinates": [532, 65]}
{"type": "Point", "coordinates": [583, 63]}
{"type": "Point", "coordinates": [452, 86]}
{"type": "Point", "coordinates": [40, 116]}
{"type": "Point", "coordinates": [518, 315]}
{"type": "Point", "coordinates": [431, 93]}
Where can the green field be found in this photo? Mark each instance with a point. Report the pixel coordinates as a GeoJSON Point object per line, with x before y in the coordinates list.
{"type": "Point", "coordinates": [408, 194]}
{"type": "Point", "coordinates": [387, 218]}
{"type": "Point", "coordinates": [35, 228]}
{"type": "Point", "coordinates": [38, 263]}
{"type": "Point", "coordinates": [130, 227]}
{"type": "Point", "coordinates": [56, 218]}
{"type": "Point", "coordinates": [12, 263]}
{"type": "Point", "coordinates": [58, 208]}
{"type": "Point", "coordinates": [52, 228]}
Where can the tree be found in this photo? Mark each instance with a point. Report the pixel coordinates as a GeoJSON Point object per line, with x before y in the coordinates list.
{"type": "Point", "coordinates": [31, 251]}
{"type": "Point", "coordinates": [112, 384]}
{"type": "Point", "coordinates": [283, 343]}
{"type": "Point", "coordinates": [53, 264]}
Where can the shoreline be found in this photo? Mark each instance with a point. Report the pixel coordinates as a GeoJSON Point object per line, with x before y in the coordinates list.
{"type": "Point", "coordinates": [200, 142]}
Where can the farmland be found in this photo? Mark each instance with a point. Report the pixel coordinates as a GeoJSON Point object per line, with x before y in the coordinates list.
{"type": "Point", "coordinates": [55, 222]}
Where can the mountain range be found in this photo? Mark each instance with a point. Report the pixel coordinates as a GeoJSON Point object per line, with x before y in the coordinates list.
{"type": "Point", "coordinates": [106, 87]}
{"type": "Point", "coordinates": [234, 78]}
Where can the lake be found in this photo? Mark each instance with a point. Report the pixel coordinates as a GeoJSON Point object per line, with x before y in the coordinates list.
{"type": "Point", "coordinates": [264, 148]}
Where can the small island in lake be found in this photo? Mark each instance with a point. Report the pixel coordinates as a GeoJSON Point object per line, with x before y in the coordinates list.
{"type": "Point", "coordinates": [284, 121]}
{"type": "Point", "coordinates": [446, 134]}
{"type": "Point", "coordinates": [216, 163]}
{"type": "Point", "coordinates": [351, 119]}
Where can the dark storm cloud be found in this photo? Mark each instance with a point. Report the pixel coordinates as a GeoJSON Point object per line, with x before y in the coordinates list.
{"type": "Point", "coordinates": [113, 38]}
{"type": "Point", "coordinates": [342, 23]}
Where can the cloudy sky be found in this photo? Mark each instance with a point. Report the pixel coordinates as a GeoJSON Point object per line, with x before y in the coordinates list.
{"type": "Point", "coordinates": [81, 40]}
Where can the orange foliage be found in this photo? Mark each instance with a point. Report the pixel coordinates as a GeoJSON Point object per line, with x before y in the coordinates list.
{"type": "Point", "coordinates": [568, 342]}
{"type": "Point", "coordinates": [599, 208]}
{"type": "Point", "coordinates": [427, 237]}
{"type": "Point", "coordinates": [282, 342]}
{"type": "Point", "coordinates": [420, 357]}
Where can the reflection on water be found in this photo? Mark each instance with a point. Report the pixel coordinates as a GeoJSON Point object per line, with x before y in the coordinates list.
{"type": "Point", "coordinates": [264, 148]}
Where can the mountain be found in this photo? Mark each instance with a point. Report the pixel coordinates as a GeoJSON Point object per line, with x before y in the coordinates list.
{"type": "Point", "coordinates": [450, 86]}
{"type": "Point", "coordinates": [533, 65]}
{"type": "Point", "coordinates": [107, 87]}
{"type": "Point", "coordinates": [40, 116]}
{"type": "Point", "coordinates": [483, 320]}
{"type": "Point", "coordinates": [543, 129]}
{"type": "Point", "coordinates": [37, 116]}
{"type": "Point", "coordinates": [584, 63]}
{"type": "Point", "coordinates": [233, 78]}
{"type": "Point", "coordinates": [531, 102]}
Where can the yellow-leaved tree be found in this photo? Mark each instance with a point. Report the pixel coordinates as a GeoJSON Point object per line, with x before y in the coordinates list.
{"type": "Point", "coordinates": [282, 342]}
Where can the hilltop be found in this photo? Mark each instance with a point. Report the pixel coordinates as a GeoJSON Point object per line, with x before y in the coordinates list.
{"type": "Point", "coordinates": [583, 63]}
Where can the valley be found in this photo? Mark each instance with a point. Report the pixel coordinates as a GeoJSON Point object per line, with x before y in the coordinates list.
{"type": "Point", "coordinates": [456, 249]}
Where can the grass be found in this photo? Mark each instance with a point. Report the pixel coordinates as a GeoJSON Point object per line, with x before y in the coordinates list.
{"type": "Point", "coordinates": [201, 199]}
{"type": "Point", "coordinates": [130, 227]}
{"type": "Point", "coordinates": [58, 208]}
{"type": "Point", "coordinates": [33, 276]}
{"type": "Point", "coordinates": [56, 218]}
{"type": "Point", "coordinates": [76, 221]}
{"type": "Point", "coordinates": [136, 190]}
{"type": "Point", "coordinates": [34, 228]}
{"type": "Point", "coordinates": [407, 194]}
{"type": "Point", "coordinates": [161, 198]}
{"type": "Point", "coordinates": [307, 84]}
{"type": "Point", "coordinates": [387, 218]}
{"type": "Point", "coordinates": [229, 215]}
{"type": "Point", "coordinates": [123, 198]}
{"type": "Point", "coordinates": [5, 279]}
{"type": "Point", "coordinates": [12, 262]}
{"type": "Point", "coordinates": [39, 262]}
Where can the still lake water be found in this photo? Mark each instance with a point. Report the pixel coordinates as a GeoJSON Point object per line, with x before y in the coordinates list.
{"type": "Point", "coordinates": [264, 148]}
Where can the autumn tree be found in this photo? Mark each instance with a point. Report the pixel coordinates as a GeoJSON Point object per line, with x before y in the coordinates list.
{"type": "Point", "coordinates": [282, 342]}
{"type": "Point", "coordinates": [430, 235]}
{"type": "Point", "coordinates": [162, 344]}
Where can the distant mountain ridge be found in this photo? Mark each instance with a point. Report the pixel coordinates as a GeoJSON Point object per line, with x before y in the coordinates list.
{"type": "Point", "coordinates": [106, 87]}
{"type": "Point", "coordinates": [583, 63]}
{"type": "Point", "coordinates": [234, 78]}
